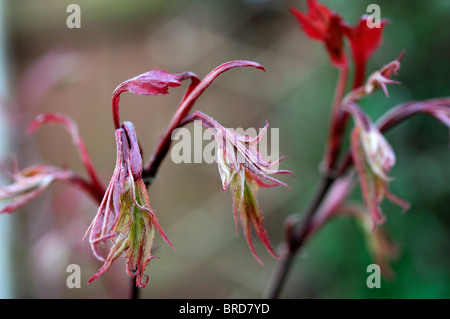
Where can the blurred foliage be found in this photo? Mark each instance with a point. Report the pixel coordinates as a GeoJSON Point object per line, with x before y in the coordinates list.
{"type": "Point", "coordinates": [334, 261]}
{"type": "Point", "coordinates": [296, 97]}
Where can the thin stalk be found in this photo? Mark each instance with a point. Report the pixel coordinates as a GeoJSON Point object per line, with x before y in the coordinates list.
{"type": "Point", "coordinates": [340, 88]}
{"type": "Point", "coordinates": [360, 70]}
{"type": "Point", "coordinates": [279, 277]}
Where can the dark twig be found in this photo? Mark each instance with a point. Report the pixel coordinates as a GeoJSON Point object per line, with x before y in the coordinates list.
{"type": "Point", "coordinates": [135, 291]}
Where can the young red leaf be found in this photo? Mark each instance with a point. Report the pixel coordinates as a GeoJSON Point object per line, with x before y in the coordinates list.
{"type": "Point", "coordinates": [364, 40]}
{"type": "Point", "coordinates": [322, 24]}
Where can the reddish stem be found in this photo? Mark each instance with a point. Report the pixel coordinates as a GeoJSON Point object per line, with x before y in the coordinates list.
{"type": "Point", "coordinates": [86, 187]}
{"type": "Point", "coordinates": [184, 108]}
{"type": "Point", "coordinates": [338, 121]}
{"type": "Point", "coordinates": [86, 159]}
{"type": "Point", "coordinates": [360, 70]}
{"type": "Point", "coordinates": [297, 237]}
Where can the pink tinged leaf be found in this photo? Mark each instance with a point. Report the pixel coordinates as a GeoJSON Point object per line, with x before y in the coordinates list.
{"type": "Point", "coordinates": [108, 212]}
{"type": "Point", "coordinates": [97, 228]}
{"type": "Point", "coordinates": [246, 226]}
{"type": "Point", "coordinates": [139, 254]}
{"type": "Point", "coordinates": [141, 237]}
{"type": "Point", "coordinates": [376, 193]}
{"type": "Point", "coordinates": [378, 152]}
{"type": "Point", "coordinates": [251, 216]}
{"type": "Point", "coordinates": [381, 191]}
{"type": "Point", "coordinates": [442, 116]}
{"type": "Point", "coordinates": [247, 146]}
{"type": "Point", "coordinates": [237, 202]}
{"type": "Point", "coordinates": [226, 157]}
{"type": "Point", "coordinates": [27, 180]}
{"type": "Point", "coordinates": [258, 225]}
{"type": "Point", "coordinates": [135, 157]}
{"type": "Point", "coordinates": [235, 150]}
{"type": "Point", "coordinates": [134, 234]}
{"type": "Point", "coordinates": [377, 80]}
{"type": "Point", "coordinates": [141, 189]}
{"type": "Point", "coordinates": [116, 251]}
{"type": "Point", "coordinates": [374, 187]}
{"type": "Point", "coordinates": [30, 183]}
{"type": "Point", "coordinates": [150, 83]}
{"type": "Point", "coordinates": [396, 200]}
{"type": "Point", "coordinates": [263, 180]}
{"type": "Point", "coordinates": [244, 200]}
{"type": "Point", "coordinates": [225, 171]}
{"type": "Point", "coordinates": [365, 179]}
{"type": "Point", "coordinates": [243, 168]}
{"type": "Point", "coordinates": [240, 207]}
{"type": "Point", "coordinates": [383, 77]}
{"type": "Point", "coordinates": [21, 200]}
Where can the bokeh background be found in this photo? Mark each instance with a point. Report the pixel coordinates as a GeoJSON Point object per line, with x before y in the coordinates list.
{"type": "Point", "coordinates": [50, 68]}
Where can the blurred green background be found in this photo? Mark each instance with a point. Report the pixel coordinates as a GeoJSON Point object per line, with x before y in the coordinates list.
{"type": "Point", "coordinates": [120, 39]}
